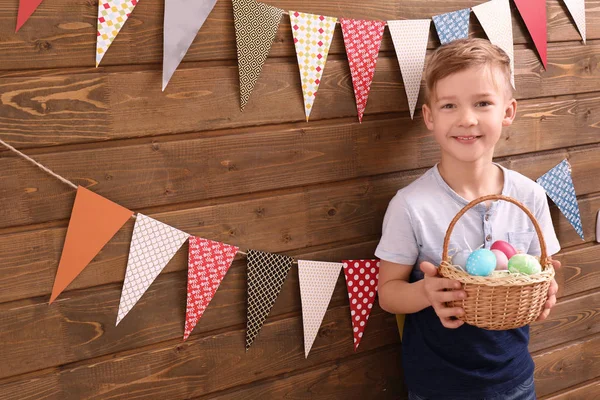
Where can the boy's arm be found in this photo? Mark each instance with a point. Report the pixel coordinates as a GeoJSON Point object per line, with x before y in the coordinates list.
{"type": "Point", "coordinates": [396, 294]}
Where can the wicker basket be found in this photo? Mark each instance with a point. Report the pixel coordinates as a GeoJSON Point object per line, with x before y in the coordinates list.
{"type": "Point", "coordinates": [502, 300]}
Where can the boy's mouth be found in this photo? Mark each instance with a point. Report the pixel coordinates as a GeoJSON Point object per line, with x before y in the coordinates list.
{"type": "Point", "coordinates": [466, 139]}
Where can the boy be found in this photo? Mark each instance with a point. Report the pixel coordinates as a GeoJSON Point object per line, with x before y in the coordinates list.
{"type": "Point", "coordinates": [468, 101]}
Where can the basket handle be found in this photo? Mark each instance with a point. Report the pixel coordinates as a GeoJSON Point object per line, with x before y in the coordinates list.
{"type": "Point", "coordinates": [543, 257]}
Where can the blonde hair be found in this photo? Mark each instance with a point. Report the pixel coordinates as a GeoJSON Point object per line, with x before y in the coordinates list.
{"type": "Point", "coordinates": [462, 54]}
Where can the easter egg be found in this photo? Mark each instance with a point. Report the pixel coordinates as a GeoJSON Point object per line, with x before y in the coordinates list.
{"type": "Point", "coordinates": [460, 258]}
{"type": "Point", "coordinates": [504, 247]}
{"type": "Point", "coordinates": [501, 260]}
{"type": "Point", "coordinates": [525, 264]}
{"type": "Point", "coordinates": [481, 262]}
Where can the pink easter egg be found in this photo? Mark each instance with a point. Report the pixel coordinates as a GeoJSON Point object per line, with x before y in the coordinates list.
{"type": "Point", "coordinates": [504, 247]}
{"type": "Point", "coordinates": [501, 260]}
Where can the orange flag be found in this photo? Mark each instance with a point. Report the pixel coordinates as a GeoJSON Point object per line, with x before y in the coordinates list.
{"type": "Point", "coordinates": [26, 8]}
{"type": "Point", "coordinates": [94, 221]}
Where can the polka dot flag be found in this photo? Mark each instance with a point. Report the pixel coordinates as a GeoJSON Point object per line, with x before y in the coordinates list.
{"type": "Point", "coordinates": [362, 277]}
{"type": "Point", "coordinates": [452, 26]}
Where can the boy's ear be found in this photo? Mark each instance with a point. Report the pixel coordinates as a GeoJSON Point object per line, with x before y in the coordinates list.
{"type": "Point", "coordinates": [427, 116]}
{"type": "Point", "coordinates": [510, 112]}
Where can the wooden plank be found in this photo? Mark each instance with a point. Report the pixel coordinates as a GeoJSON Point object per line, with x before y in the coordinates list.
{"type": "Point", "coordinates": [373, 376]}
{"type": "Point", "coordinates": [585, 391]}
{"type": "Point", "coordinates": [570, 319]}
{"type": "Point", "coordinates": [99, 105]}
{"type": "Point", "coordinates": [63, 34]}
{"type": "Point", "coordinates": [277, 222]}
{"type": "Point", "coordinates": [36, 336]}
{"type": "Point", "coordinates": [569, 365]}
{"type": "Point", "coordinates": [200, 366]}
{"type": "Point", "coordinates": [580, 271]}
{"type": "Point", "coordinates": [194, 169]}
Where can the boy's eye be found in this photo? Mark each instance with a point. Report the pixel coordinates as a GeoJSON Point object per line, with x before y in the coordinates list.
{"type": "Point", "coordinates": [483, 103]}
{"type": "Point", "coordinates": [448, 106]}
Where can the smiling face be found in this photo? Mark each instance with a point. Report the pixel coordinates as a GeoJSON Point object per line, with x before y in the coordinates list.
{"type": "Point", "coordinates": [467, 111]}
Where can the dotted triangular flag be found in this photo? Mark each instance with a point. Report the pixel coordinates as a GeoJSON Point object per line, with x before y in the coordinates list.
{"type": "Point", "coordinates": [312, 38]}
{"type": "Point", "coordinates": [577, 10]}
{"type": "Point", "coordinates": [453, 25]}
{"type": "Point", "coordinates": [558, 184]}
{"type": "Point", "coordinates": [362, 39]}
{"type": "Point", "coordinates": [153, 244]}
{"type": "Point", "coordinates": [183, 19]}
{"type": "Point", "coordinates": [533, 13]}
{"type": "Point", "coordinates": [208, 262]}
{"type": "Point", "coordinates": [317, 282]}
{"type": "Point", "coordinates": [410, 41]}
{"type": "Point", "coordinates": [112, 15]}
{"type": "Point", "coordinates": [496, 21]}
{"type": "Point", "coordinates": [255, 28]}
{"type": "Point", "coordinates": [362, 277]}
{"type": "Point", "coordinates": [266, 275]}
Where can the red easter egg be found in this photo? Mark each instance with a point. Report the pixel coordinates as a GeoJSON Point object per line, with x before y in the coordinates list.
{"type": "Point", "coordinates": [504, 247]}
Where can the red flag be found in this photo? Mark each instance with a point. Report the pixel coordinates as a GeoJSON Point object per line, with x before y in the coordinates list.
{"type": "Point", "coordinates": [362, 40]}
{"type": "Point", "coordinates": [534, 15]}
{"type": "Point", "coordinates": [208, 262]}
{"type": "Point", "coordinates": [94, 221]}
{"type": "Point", "coordinates": [26, 8]}
{"type": "Point", "coordinates": [362, 277]}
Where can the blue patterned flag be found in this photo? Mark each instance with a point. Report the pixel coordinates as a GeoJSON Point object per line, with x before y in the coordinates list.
{"type": "Point", "coordinates": [558, 184]}
{"type": "Point", "coordinates": [452, 26]}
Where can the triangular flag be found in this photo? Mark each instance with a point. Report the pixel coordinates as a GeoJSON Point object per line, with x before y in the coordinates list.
{"type": "Point", "coordinates": [94, 221]}
{"type": "Point", "coordinates": [362, 277]}
{"type": "Point", "coordinates": [312, 37]}
{"type": "Point", "coordinates": [533, 13]}
{"type": "Point", "coordinates": [577, 10]}
{"type": "Point", "coordinates": [153, 244]}
{"type": "Point", "coordinates": [410, 41]}
{"type": "Point", "coordinates": [558, 185]}
{"type": "Point", "coordinates": [362, 39]}
{"type": "Point", "coordinates": [112, 15]}
{"type": "Point", "coordinates": [255, 28]}
{"type": "Point", "coordinates": [266, 274]}
{"type": "Point", "coordinates": [317, 282]}
{"type": "Point", "coordinates": [183, 20]}
{"type": "Point", "coordinates": [208, 262]}
{"type": "Point", "coordinates": [453, 25]}
{"type": "Point", "coordinates": [496, 21]}
{"type": "Point", "coordinates": [26, 8]}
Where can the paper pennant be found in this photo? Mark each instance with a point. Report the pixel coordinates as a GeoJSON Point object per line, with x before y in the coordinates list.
{"type": "Point", "coordinates": [558, 184]}
{"type": "Point", "coordinates": [153, 244]}
{"type": "Point", "coordinates": [317, 282]}
{"type": "Point", "coordinates": [26, 8]}
{"type": "Point", "coordinates": [410, 41]}
{"type": "Point", "coordinates": [208, 262]}
{"type": "Point", "coordinates": [94, 221]}
{"type": "Point", "coordinates": [255, 28]}
{"type": "Point", "coordinates": [183, 20]}
{"type": "Point", "coordinates": [266, 274]}
{"type": "Point", "coordinates": [362, 39]}
{"type": "Point", "coordinates": [453, 25]}
{"type": "Point", "coordinates": [577, 10]}
{"type": "Point", "coordinates": [312, 38]}
{"type": "Point", "coordinates": [534, 16]}
{"type": "Point", "coordinates": [112, 15]}
{"type": "Point", "coordinates": [496, 20]}
{"type": "Point", "coordinates": [362, 277]}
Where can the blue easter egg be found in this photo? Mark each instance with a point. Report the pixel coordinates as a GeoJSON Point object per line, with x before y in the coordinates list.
{"type": "Point", "coordinates": [481, 262]}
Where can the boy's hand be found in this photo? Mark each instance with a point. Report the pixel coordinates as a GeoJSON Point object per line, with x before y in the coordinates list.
{"type": "Point", "coordinates": [551, 294]}
{"type": "Point", "coordinates": [434, 287]}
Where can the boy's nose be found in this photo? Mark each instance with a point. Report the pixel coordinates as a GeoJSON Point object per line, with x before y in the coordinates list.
{"type": "Point", "coordinates": [467, 118]}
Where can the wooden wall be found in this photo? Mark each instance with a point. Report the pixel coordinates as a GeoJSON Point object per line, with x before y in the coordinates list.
{"type": "Point", "coordinates": [260, 179]}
